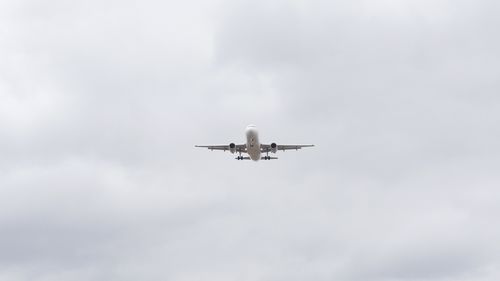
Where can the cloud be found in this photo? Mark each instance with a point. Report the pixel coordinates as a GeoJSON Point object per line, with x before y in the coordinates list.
{"type": "Point", "coordinates": [102, 102]}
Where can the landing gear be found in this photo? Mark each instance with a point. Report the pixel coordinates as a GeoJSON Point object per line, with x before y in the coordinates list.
{"type": "Point", "coordinates": [267, 157]}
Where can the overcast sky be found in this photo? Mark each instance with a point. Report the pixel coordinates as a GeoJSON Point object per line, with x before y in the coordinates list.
{"type": "Point", "coordinates": [101, 103]}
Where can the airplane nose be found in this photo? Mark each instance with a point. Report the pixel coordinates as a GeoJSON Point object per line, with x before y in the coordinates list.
{"type": "Point", "coordinates": [251, 130]}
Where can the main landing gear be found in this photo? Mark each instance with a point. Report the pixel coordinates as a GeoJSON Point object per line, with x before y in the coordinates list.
{"type": "Point", "coordinates": [239, 158]}
{"type": "Point", "coordinates": [267, 157]}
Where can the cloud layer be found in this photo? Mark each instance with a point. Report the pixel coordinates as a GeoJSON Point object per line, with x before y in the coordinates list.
{"type": "Point", "coordinates": [101, 103]}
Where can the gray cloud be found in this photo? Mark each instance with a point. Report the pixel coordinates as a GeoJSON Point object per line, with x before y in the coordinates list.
{"type": "Point", "coordinates": [101, 103]}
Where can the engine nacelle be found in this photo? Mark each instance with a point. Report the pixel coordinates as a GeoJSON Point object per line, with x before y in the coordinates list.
{"type": "Point", "coordinates": [274, 147]}
{"type": "Point", "coordinates": [232, 147]}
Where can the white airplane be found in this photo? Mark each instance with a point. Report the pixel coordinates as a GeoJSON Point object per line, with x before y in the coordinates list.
{"type": "Point", "coordinates": [253, 148]}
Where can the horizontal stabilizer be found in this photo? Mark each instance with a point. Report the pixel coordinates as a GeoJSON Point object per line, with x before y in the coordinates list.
{"type": "Point", "coordinates": [268, 158]}
{"type": "Point", "coordinates": [242, 158]}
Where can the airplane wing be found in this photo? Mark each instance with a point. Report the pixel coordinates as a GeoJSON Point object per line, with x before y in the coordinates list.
{"type": "Point", "coordinates": [283, 147]}
{"type": "Point", "coordinates": [238, 147]}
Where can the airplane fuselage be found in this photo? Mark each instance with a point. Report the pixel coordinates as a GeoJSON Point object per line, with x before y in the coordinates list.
{"type": "Point", "coordinates": [253, 145]}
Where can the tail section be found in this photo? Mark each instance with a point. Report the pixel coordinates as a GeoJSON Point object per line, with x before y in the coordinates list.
{"type": "Point", "coordinates": [262, 158]}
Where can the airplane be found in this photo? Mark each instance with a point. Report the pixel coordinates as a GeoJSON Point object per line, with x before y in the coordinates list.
{"type": "Point", "coordinates": [253, 148]}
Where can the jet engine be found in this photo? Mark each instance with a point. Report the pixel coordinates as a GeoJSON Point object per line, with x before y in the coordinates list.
{"type": "Point", "coordinates": [232, 147]}
{"type": "Point", "coordinates": [274, 147]}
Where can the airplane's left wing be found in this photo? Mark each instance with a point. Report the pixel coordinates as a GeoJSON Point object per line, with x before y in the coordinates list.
{"type": "Point", "coordinates": [283, 147]}
{"type": "Point", "coordinates": [237, 147]}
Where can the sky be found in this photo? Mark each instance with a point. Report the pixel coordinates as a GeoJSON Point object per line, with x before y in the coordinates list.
{"type": "Point", "coordinates": [102, 102]}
